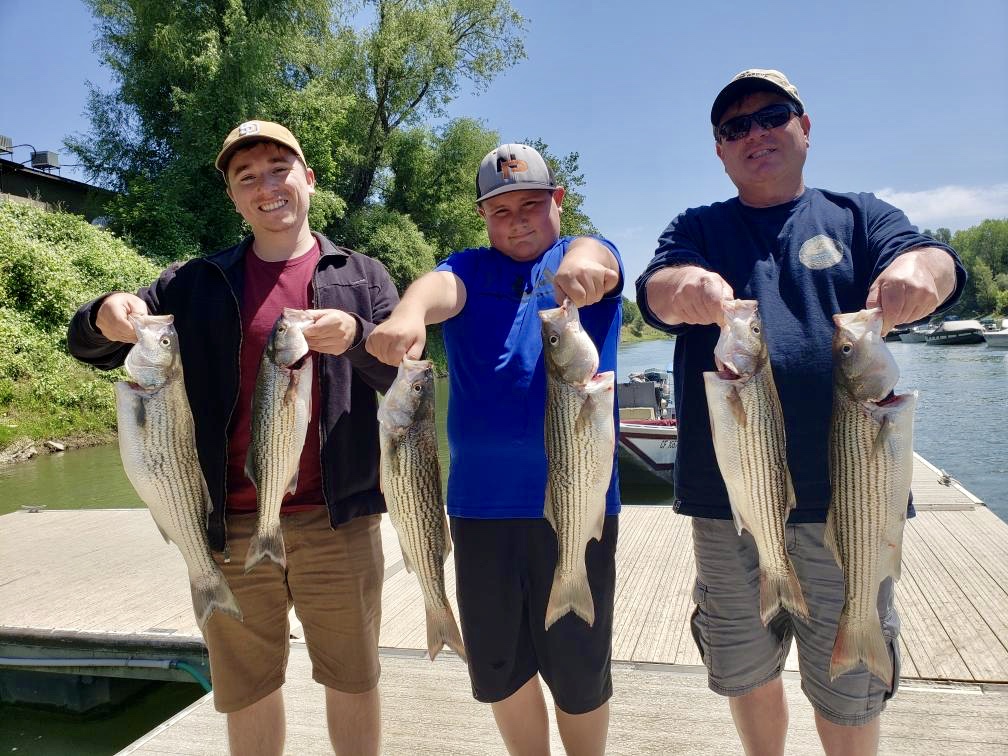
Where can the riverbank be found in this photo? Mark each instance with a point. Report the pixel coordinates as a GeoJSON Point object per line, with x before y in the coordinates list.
{"type": "Point", "coordinates": [24, 448]}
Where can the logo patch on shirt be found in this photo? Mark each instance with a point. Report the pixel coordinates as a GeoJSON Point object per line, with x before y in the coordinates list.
{"type": "Point", "coordinates": [821, 252]}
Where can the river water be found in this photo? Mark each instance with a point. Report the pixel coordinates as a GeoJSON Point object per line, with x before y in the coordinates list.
{"type": "Point", "coordinates": [961, 424]}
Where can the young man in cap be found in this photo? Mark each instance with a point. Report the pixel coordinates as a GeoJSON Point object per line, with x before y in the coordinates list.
{"type": "Point", "coordinates": [224, 307]}
{"type": "Point", "coordinates": [505, 551]}
{"type": "Point", "coordinates": [804, 254]}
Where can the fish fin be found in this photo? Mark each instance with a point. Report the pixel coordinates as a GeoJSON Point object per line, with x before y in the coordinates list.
{"type": "Point", "coordinates": [881, 438]}
{"type": "Point", "coordinates": [139, 411]}
{"type": "Point", "coordinates": [548, 510]}
{"type": "Point", "coordinates": [861, 642]}
{"type": "Point", "coordinates": [830, 536]}
{"type": "Point", "coordinates": [292, 486]}
{"type": "Point", "coordinates": [442, 630]}
{"type": "Point", "coordinates": [781, 590]}
{"type": "Point", "coordinates": [162, 532]}
{"type": "Point", "coordinates": [266, 544]}
{"type": "Point", "coordinates": [212, 593]}
{"type": "Point", "coordinates": [891, 563]}
{"type": "Point", "coordinates": [447, 537]}
{"type": "Point", "coordinates": [570, 593]}
{"type": "Point", "coordinates": [250, 471]}
{"type": "Point", "coordinates": [596, 531]}
{"type": "Point", "coordinates": [584, 419]}
{"type": "Point", "coordinates": [407, 562]}
{"type": "Point", "coordinates": [789, 492]}
{"type": "Point", "coordinates": [736, 407]}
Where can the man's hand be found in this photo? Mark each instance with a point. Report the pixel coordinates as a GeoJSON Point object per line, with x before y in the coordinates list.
{"type": "Point", "coordinates": [583, 281]}
{"type": "Point", "coordinates": [113, 316]}
{"type": "Point", "coordinates": [403, 334]}
{"type": "Point", "coordinates": [913, 286]}
{"type": "Point", "coordinates": [332, 332]}
{"type": "Point", "coordinates": [688, 294]}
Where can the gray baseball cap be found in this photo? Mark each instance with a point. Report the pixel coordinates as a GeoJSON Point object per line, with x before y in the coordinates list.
{"type": "Point", "coordinates": [753, 80]}
{"type": "Point", "coordinates": [511, 167]}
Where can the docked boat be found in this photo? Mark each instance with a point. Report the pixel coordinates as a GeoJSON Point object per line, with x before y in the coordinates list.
{"type": "Point", "coordinates": [956, 332]}
{"type": "Point", "coordinates": [998, 339]}
{"type": "Point", "coordinates": [917, 334]}
{"type": "Point", "coordinates": [648, 433]}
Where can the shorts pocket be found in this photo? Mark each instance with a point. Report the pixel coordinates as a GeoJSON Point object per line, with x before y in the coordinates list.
{"type": "Point", "coordinates": [698, 622]}
{"type": "Point", "coordinates": [890, 631]}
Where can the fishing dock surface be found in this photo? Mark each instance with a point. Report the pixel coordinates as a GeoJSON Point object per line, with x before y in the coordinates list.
{"type": "Point", "coordinates": [102, 582]}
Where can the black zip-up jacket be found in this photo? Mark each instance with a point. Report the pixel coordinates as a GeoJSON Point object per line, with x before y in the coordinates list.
{"type": "Point", "coordinates": [204, 295]}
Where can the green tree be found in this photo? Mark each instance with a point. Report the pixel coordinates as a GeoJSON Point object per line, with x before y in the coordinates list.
{"type": "Point", "coordinates": [185, 73]}
{"type": "Point", "coordinates": [984, 252]}
{"type": "Point", "coordinates": [573, 220]}
{"type": "Point", "coordinates": [942, 234]}
{"type": "Point", "coordinates": [433, 179]}
{"type": "Point", "coordinates": [409, 63]}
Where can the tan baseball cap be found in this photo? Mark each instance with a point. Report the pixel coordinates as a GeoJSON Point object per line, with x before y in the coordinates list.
{"type": "Point", "coordinates": [753, 80]}
{"type": "Point", "coordinates": [256, 131]}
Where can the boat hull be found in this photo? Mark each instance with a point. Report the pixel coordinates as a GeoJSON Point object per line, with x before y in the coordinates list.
{"type": "Point", "coordinates": [650, 444]}
{"type": "Point", "coordinates": [997, 339]}
{"type": "Point", "coordinates": [947, 338]}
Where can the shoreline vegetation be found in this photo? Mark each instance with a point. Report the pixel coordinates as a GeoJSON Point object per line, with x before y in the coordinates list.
{"type": "Point", "coordinates": [51, 262]}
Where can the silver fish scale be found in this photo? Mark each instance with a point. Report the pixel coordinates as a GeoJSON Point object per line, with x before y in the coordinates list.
{"type": "Point", "coordinates": [277, 438]}
{"type": "Point", "coordinates": [412, 486]}
{"type": "Point", "coordinates": [575, 458]}
{"type": "Point", "coordinates": [763, 469]}
{"type": "Point", "coordinates": [861, 509]}
{"type": "Point", "coordinates": [163, 463]}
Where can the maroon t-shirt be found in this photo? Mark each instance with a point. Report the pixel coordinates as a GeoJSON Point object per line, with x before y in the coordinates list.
{"type": "Point", "coordinates": [269, 287]}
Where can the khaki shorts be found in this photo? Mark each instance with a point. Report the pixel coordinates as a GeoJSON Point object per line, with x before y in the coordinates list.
{"type": "Point", "coordinates": [333, 581]}
{"type": "Point", "coordinates": [741, 654]}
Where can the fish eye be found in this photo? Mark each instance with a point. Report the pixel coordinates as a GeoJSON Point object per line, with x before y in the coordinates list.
{"type": "Point", "coordinates": [847, 348]}
{"type": "Point", "coordinates": [281, 328]}
{"type": "Point", "coordinates": [554, 340]}
{"type": "Point", "coordinates": [165, 341]}
{"type": "Point", "coordinates": [756, 329]}
{"type": "Point", "coordinates": [417, 387]}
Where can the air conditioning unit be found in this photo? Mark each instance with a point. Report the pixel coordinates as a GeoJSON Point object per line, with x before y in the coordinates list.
{"type": "Point", "coordinates": [6, 145]}
{"type": "Point", "coordinates": [45, 159]}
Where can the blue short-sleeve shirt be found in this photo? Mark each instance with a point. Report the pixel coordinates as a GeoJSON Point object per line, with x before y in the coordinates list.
{"type": "Point", "coordinates": [497, 380]}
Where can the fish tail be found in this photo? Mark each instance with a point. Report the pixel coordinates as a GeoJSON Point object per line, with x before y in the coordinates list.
{"type": "Point", "coordinates": [781, 590]}
{"type": "Point", "coordinates": [861, 641]}
{"type": "Point", "coordinates": [442, 630]}
{"type": "Point", "coordinates": [212, 593]}
{"type": "Point", "coordinates": [570, 593]}
{"type": "Point", "coordinates": [265, 544]}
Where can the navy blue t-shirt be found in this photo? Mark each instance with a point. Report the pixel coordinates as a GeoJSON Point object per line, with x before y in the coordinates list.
{"type": "Point", "coordinates": [803, 261]}
{"type": "Point", "coordinates": [497, 380]}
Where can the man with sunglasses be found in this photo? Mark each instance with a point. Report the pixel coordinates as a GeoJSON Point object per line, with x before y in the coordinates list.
{"type": "Point", "coordinates": [804, 254]}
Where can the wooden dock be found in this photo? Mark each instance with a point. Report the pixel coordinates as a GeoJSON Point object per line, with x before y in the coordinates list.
{"type": "Point", "coordinates": [84, 576]}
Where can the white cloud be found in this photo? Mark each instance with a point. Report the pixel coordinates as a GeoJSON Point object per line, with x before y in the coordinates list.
{"type": "Point", "coordinates": [952, 207]}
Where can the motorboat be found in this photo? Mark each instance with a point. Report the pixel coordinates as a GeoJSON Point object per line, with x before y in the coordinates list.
{"type": "Point", "coordinates": [956, 332]}
{"type": "Point", "coordinates": [648, 433]}
{"type": "Point", "coordinates": [917, 334]}
{"type": "Point", "coordinates": [999, 338]}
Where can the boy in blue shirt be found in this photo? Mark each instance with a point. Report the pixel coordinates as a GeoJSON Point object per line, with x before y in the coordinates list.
{"type": "Point", "coordinates": [505, 551]}
{"type": "Point", "coordinates": [804, 254]}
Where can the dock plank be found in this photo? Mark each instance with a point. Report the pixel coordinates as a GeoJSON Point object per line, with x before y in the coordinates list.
{"type": "Point", "coordinates": [427, 709]}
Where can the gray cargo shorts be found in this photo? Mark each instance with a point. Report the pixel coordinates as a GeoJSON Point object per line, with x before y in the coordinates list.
{"type": "Point", "coordinates": [741, 654]}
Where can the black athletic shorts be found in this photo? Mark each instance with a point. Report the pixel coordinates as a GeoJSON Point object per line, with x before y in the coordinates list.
{"type": "Point", "coordinates": [503, 574]}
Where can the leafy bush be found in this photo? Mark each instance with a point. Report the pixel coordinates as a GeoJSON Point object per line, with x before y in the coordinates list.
{"type": "Point", "coordinates": [50, 264]}
{"type": "Point", "coordinates": [392, 238]}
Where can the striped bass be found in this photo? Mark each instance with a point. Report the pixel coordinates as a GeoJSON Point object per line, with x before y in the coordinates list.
{"type": "Point", "coordinates": [747, 427]}
{"type": "Point", "coordinates": [580, 437]}
{"type": "Point", "coordinates": [411, 483]}
{"type": "Point", "coordinates": [157, 443]}
{"type": "Point", "coordinates": [871, 465]}
{"type": "Point", "coordinates": [281, 409]}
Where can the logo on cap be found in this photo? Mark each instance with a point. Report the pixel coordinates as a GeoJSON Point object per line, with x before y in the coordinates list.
{"type": "Point", "coordinates": [247, 128]}
{"type": "Point", "coordinates": [508, 167]}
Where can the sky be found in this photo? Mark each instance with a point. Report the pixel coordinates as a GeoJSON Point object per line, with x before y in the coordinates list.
{"type": "Point", "coordinates": [908, 100]}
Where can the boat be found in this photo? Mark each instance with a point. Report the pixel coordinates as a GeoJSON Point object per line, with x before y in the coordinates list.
{"type": "Point", "coordinates": [648, 433]}
{"type": "Point", "coordinates": [956, 332]}
{"type": "Point", "coordinates": [917, 334]}
{"type": "Point", "coordinates": [896, 334]}
{"type": "Point", "coordinates": [998, 339]}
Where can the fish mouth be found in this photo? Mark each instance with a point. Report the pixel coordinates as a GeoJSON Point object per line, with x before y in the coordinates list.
{"type": "Point", "coordinates": [299, 362]}
{"type": "Point", "coordinates": [891, 399]}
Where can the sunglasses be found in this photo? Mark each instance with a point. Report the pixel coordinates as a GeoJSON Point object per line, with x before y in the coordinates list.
{"type": "Point", "coordinates": [769, 117]}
